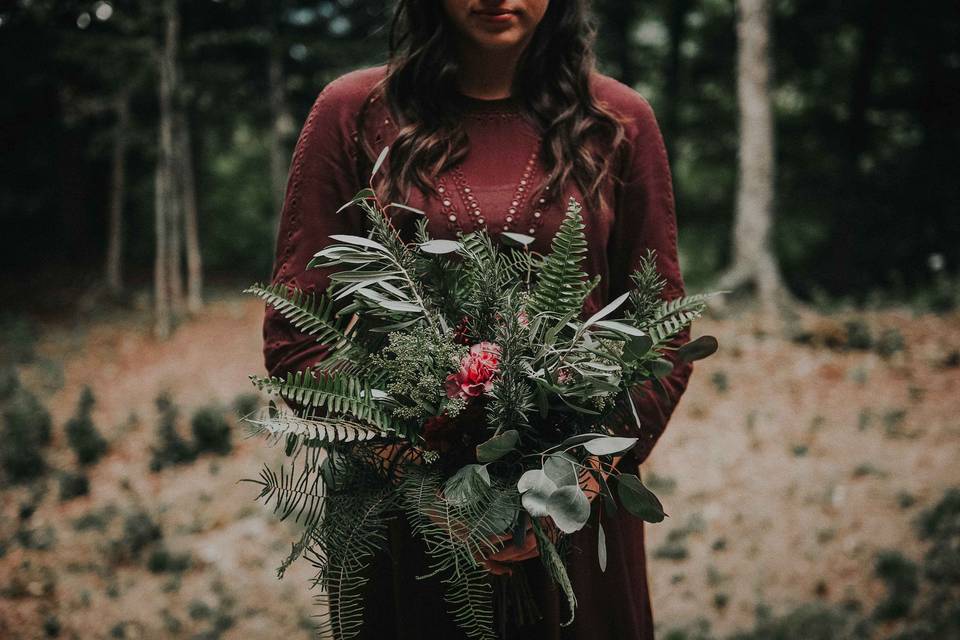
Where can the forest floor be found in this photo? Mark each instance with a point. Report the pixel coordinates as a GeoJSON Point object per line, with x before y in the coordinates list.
{"type": "Point", "coordinates": [786, 468]}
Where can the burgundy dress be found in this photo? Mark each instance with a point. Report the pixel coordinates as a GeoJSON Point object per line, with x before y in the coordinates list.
{"type": "Point", "coordinates": [325, 173]}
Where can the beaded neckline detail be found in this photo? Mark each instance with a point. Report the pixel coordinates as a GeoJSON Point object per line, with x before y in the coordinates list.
{"type": "Point", "coordinates": [513, 218]}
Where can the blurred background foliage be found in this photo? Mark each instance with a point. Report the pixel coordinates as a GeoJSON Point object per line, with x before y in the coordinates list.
{"type": "Point", "coordinates": [865, 95]}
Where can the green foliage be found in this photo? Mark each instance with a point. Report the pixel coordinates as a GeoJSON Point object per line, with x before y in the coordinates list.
{"type": "Point", "coordinates": [162, 560]}
{"type": "Point", "coordinates": [901, 576]}
{"type": "Point", "coordinates": [561, 284]}
{"type": "Point", "coordinates": [810, 622]}
{"type": "Point", "coordinates": [313, 315]}
{"type": "Point", "coordinates": [140, 531]}
{"type": "Point", "coordinates": [455, 535]}
{"type": "Point", "coordinates": [82, 435]}
{"type": "Point", "coordinates": [171, 447]}
{"type": "Point", "coordinates": [415, 363]}
{"type": "Point", "coordinates": [25, 431]}
{"type": "Point", "coordinates": [335, 392]}
{"type": "Point", "coordinates": [648, 284]}
{"type": "Point", "coordinates": [511, 398]}
{"type": "Point", "coordinates": [73, 485]}
{"type": "Point", "coordinates": [211, 430]}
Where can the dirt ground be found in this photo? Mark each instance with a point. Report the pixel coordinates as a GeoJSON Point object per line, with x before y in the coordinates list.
{"type": "Point", "coordinates": [785, 469]}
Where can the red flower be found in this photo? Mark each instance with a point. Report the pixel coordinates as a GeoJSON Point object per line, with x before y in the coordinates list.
{"type": "Point", "coordinates": [477, 369]}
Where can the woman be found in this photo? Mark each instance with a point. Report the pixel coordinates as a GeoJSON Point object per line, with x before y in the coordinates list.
{"type": "Point", "coordinates": [494, 115]}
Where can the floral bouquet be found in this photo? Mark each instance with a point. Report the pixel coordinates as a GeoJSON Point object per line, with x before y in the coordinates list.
{"type": "Point", "coordinates": [463, 391]}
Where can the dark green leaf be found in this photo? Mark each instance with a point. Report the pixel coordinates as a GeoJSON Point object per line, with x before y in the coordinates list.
{"type": "Point", "coordinates": [698, 349]}
{"type": "Point", "coordinates": [498, 446]}
{"type": "Point", "coordinates": [661, 367]}
{"type": "Point", "coordinates": [639, 500]}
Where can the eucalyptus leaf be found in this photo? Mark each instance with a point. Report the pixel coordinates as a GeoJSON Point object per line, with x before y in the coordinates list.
{"type": "Point", "coordinates": [396, 305]}
{"type": "Point", "coordinates": [519, 238]}
{"type": "Point", "coordinates": [560, 469]}
{"type": "Point", "coordinates": [407, 207]}
{"type": "Point", "coordinates": [363, 194]}
{"type": "Point", "coordinates": [637, 347]}
{"type": "Point", "coordinates": [359, 241]}
{"type": "Point", "coordinates": [536, 488]}
{"type": "Point", "coordinates": [639, 500]}
{"type": "Point", "coordinates": [498, 446]}
{"type": "Point", "coordinates": [569, 508]}
{"type": "Point", "coordinates": [661, 367]}
{"type": "Point", "coordinates": [440, 246]}
{"type": "Point", "coordinates": [620, 327]}
{"type": "Point", "coordinates": [608, 445]}
{"type": "Point", "coordinates": [601, 547]}
{"type": "Point", "coordinates": [580, 438]}
{"type": "Point", "coordinates": [607, 310]}
{"type": "Point", "coordinates": [698, 349]}
{"type": "Point", "coordinates": [380, 159]}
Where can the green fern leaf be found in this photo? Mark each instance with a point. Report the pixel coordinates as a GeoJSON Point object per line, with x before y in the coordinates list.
{"type": "Point", "coordinates": [561, 284]}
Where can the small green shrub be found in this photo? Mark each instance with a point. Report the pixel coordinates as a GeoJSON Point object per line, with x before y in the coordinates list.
{"type": "Point", "coordinates": [809, 622]}
{"type": "Point", "coordinates": [163, 561]}
{"type": "Point", "coordinates": [890, 342]}
{"type": "Point", "coordinates": [25, 431]}
{"type": "Point", "coordinates": [859, 337]}
{"type": "Point", "coordinates": [903, 583]}
{"type": "Point", "coordinates": [73, 485]}
{"type": "Point", "coordinates": [82, 435]}
{"type": "Point", "coordinates": [245, 404]}
{"type": "Point", "coordinates": [171, 447]}
{"type": "Point", "coordinates": [139, 532]}
{"type": "Point", "coordinates": [211, 431]}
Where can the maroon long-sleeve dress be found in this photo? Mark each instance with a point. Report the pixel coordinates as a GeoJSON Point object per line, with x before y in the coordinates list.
{"type": "Point", "coordinates": [325, 173]}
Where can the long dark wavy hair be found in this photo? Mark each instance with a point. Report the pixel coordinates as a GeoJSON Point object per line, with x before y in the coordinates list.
{"type": "Point", "coordinates": [579, 135]}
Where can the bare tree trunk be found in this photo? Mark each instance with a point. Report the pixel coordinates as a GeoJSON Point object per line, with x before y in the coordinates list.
{"type": "Point", "coordinates": [188, 197]}
{"type": "Point", "coordinates": [166, 265]}
{"type": "Point", "coordinates": [283, 123]}
{"type": "Point", "coordinates": [114, 267]}
{"type": "Point", "coordinates": [753, 256]}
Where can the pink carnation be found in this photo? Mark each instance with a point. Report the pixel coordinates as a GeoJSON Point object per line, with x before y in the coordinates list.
{"type": "Point", "coordinates": [477, 369]}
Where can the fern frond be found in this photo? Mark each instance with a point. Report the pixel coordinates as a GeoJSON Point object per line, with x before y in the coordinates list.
{"type": "Point", "coordinates": [561, 284]}
{"type": "Point", "coordinates": [334, 392]}
{"type": "Point", "coordinates": [280, 423]}
{"type": "Point", "coordinates": [555, 567]}
{"type": "Point", "coordinates": [341, 546]}
{"type": "Point", "coordinates": [673, 315]}
{"type": "Point", "coordinates": [455, 535]}
{"type": "Point", "coordinates": [312, 314]}
{"type": "Point", "coordinates": [294, 491]}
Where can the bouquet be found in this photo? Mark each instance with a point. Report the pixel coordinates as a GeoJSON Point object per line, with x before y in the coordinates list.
{"type": "Point", "coordinates": [463, 390]}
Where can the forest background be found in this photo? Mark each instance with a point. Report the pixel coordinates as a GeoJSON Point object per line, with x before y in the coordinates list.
{"type": "Point", "coordinates": [145, 149]}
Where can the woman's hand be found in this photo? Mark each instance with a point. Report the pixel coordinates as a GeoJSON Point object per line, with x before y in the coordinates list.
{"type": "Point", "coordinates": [588, 480]}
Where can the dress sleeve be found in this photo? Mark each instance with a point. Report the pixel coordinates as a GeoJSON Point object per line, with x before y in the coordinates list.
{"type": "Point", "coordinates": [645, 218]}
{"type": "Point", "coordinates": [322, 177]}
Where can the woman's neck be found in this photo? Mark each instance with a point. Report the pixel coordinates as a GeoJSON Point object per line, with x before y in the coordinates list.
{"type": "Point", "coordinates": [487, 74]}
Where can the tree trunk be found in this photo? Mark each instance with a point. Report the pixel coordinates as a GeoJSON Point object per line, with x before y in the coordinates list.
{"type": "Point", "coordinates": [165, 265]}
{"type": "Point", "coordinates": [283, 124]}
{"type": "Point", "coordinates": [677, 25]}
{"type": "Point", "coordinates": [753, 257]}
{"type": "Point", "coordinates": [188, 198]}
{"type": "Point", "coordinates": [114, 267]}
